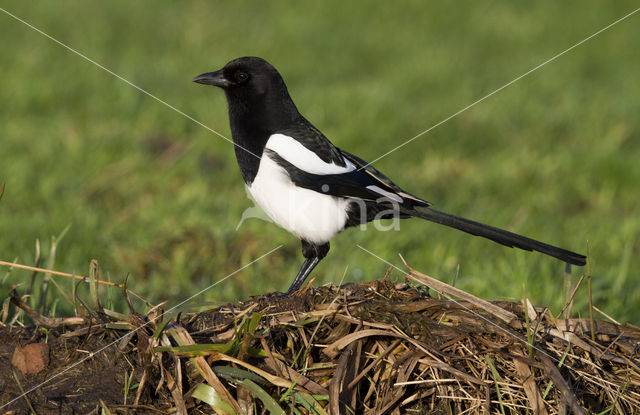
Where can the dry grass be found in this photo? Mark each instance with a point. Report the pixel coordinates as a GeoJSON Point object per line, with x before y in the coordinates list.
{"type": "Point", "coordinates": [375, 348]}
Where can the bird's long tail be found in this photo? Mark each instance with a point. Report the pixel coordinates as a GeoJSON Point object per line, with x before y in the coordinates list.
{"type": "Point", "coordinates": [495, 234]}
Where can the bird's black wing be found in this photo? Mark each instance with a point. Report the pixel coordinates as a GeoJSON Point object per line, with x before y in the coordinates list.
{"type": "Point", "coordinates": [381, 180]}
{"type": "Point", "coordinates": [366, 184]}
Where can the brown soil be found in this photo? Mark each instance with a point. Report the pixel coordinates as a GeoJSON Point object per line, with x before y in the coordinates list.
{"type": "Point", "coordinates": [74, 389]}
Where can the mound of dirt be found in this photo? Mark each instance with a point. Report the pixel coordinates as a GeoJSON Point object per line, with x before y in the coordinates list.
{"type": "Point", "coordinates": [374, 348]}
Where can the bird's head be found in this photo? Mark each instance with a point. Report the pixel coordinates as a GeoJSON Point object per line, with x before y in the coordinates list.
{"type": "Point", "coordinates": [255, 92]}
{"type": "Point", "coordinates": [244, 77]}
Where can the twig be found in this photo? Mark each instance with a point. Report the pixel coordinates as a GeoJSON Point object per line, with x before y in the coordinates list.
{"type": "Point", "coordinates": [573, 294]}
{"type": "Point", "coordinates": [33, 411]}
{"type": "Point", "coordinates": [504, 315]}
{"type": "Point", "coordinates": [49, 322]}
{"type": "Point", "coordinates": [64, 274]}
{"type": "Point", "coordinates": [560, 383]}
{"type": "Point", "coordinates": [606, 315]}
{"type": "Point", "coordinates": [593, 331]}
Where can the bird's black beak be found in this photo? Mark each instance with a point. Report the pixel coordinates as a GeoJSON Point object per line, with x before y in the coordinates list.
{"type": "Point", "coordinates": [213, 78]}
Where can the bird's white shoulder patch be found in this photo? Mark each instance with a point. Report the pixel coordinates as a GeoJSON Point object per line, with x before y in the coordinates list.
{"type": "Point", "coordinates": [303, 158]}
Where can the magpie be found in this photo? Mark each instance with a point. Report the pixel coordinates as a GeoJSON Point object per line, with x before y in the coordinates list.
{"type": "Point", "coordinates": [312, 188]}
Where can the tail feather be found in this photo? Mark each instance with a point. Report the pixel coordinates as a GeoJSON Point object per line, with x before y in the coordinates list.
{"type": "Point", "coordinates": [498, 235]}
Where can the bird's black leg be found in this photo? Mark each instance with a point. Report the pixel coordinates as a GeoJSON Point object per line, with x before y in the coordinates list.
{"type": "Point", "coordinates": [305, 270]}
{"type": "Point", "coordinates": [313, 254]}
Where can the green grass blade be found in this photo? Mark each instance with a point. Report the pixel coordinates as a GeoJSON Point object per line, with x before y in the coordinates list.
{"type": "Point", "coordinates": [235, 374]}
{"type": "Point", "coordinates": [269, 403]}
{"type": "Point", "coordinates": [207, 394]}
{"type": "Point", "coordinates": [195, 349]}
{"type": "Point", "coordinates": [160, 329]}
{"type": "Point", "coordinates": [310, 402]}
{"type": "Point", "coordinates": [496, 378]}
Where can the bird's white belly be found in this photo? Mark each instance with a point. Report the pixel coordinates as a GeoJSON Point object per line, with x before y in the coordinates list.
{"type": "Point", "coordinates": [308, 215]}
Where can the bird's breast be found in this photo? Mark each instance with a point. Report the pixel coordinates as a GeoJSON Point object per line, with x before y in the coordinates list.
{"type": "Point", "coordinates": [307, 214]}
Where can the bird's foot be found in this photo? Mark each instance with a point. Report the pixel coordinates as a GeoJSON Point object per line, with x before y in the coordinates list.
{"type": "Point", "coordinates": [277, 295]}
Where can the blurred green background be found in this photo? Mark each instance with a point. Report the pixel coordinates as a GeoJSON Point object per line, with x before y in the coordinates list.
{"type": "Point", "coordinates": [149, 193]}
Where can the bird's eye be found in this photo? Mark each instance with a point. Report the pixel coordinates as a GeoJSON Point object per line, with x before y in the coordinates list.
{"type": "Point", "coordinates": [241, 76]}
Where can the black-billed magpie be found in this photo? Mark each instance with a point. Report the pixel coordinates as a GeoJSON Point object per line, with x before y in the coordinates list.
{"type": "Point", "coordinates": [312, 188]}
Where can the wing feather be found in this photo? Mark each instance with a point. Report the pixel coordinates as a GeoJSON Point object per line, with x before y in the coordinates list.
{"type": "Point", "coordinates": [366, 184]}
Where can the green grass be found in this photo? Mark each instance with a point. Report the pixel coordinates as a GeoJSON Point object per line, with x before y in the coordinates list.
{"type": "Point", "coordinates": [149, 193]}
